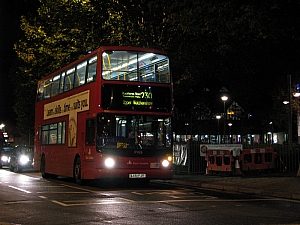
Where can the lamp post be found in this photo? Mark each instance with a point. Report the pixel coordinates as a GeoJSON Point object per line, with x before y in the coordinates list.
{"type": "Point", "coordinates": [186, 125]}
{"type": "Point", "coordinates": [290, 135]}
{"type": "Point", "coordinates": [272, 131]}
{"type": "Point", "coordinates": [297, 95]}
{"type": "Point", "coordinates": [224, 99]}
{"type": "Point", "coordinates": [218, 117]}
{"type": "Point", "coordinates": [289, 119]}
{"type": "Point", "coordinates": [230, 139]}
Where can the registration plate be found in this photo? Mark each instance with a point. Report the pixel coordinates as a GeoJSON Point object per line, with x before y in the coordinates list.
{"type": "Point", "coordinates": [137, 175]}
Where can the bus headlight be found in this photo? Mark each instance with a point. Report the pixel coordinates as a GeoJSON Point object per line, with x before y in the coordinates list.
{"type": "Point", "coordinates": [24, 159]}
{"type": "Point", "coordinates": [109, 162]}
{"type": "Point", "coordinates": [165, 163]}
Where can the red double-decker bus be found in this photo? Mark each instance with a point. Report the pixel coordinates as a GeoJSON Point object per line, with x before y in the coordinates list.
{"type": "Point", "coordinates": [106, 115]}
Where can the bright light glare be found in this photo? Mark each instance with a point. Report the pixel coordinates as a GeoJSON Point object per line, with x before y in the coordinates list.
{"type": "Point", "coordinates": [297, 94]}
{"type": "Point", "coordinates": [224, 98]}
{"type": "Point", "coordinates": [4, 158]}
{"type": "Point", "coordinates": [285, 102]}
{"type": "Point", "coordinates": [165, 163]}
{"type": "Point", "coordinates": [109, 162]}
{"type": "Point", "coordinates": [24, 159]}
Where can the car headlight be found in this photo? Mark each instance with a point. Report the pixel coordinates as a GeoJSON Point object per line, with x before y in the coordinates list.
{"type": "Point", "coordinates": [4, 158]}
{"type": "Point", "coordinates": [24, 159]}
{"type": "Point", "coordinates": [109, 162]}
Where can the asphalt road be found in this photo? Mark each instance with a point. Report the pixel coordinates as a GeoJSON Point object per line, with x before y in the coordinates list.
{"type": "Point", "coordinates": [29, 199]}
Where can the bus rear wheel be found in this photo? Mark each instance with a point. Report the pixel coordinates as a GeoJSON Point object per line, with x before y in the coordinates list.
{"type": "Point", "coordinates": [77, 171]}
{"type": "Point", "coordinates": [43, 165]}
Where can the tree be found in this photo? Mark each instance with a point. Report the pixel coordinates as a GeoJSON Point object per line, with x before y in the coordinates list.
{"type": "Point", "coordinates": [212, 44]}
{"type": "Point", "coordinates": [52, 39]}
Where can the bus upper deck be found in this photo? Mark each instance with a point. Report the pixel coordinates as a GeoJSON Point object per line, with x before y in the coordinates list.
{"type": "Point", "coordinates": [129, 65]}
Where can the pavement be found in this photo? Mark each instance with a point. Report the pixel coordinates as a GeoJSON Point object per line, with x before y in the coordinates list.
{"type": "Point", "coordinates": [283, 185]}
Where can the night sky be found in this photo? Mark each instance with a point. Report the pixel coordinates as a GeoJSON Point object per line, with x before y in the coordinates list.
{"type": "Point", "coordinates": [9, 26]}
{"type": "Point", "coordinates": [10, 13]}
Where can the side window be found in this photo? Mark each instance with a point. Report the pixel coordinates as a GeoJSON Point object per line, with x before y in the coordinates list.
{"type": "Point", "coordinates": [47, 88]}
{"type": "Point", "coordinates": [69, 79]}
{"type": "Point", "coordinates": [54, 133]}
{"type": "Point", "coordinates": [90, 132]}
{"type": "Point", "coordinates": [61, 129]}
{"type": "Point", "coordinates": [45, 134]}
{"type": "Point", "coordinates": [55, 85]}
{"type": "Point", "coordinates": [40, 91]}
{"type": "Point", "coordinates": [91, 73]}
{"type": "Point", "coordinates": [80, 74]}
{"type": "Point", "coordinates": [62, 82]}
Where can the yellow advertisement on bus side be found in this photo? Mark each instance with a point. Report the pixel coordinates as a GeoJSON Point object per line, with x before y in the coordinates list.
{"type": "Point", "coordinates": [69, 106]}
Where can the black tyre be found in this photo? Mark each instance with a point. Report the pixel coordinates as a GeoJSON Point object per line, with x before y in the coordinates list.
{"type": "Point", "coordinates": [11, 168]}
{"type": "Point", "coordinates": [77, 171]}
{"type": "Point", "coordinates": [43, 165]}
{"type": "Point", "coordinates": [18, 168]}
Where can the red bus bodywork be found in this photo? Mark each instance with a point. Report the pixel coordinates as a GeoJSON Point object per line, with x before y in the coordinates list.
{"type": "Point", "coordinates": [68, 124]}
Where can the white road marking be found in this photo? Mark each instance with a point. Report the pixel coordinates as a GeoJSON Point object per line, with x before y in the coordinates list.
{"type": "Point", "coordinates": [42, 197]}
{"type": "Point", "coordinates": [28, 192]}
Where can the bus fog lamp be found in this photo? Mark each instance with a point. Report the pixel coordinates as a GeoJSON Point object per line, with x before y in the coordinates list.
{"type": "Point", "coordinates": [109, 162]}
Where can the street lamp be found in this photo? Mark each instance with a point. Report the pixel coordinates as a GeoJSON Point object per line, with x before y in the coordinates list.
{"type": "Point", "coordinates": [2, 126]}
{"type": "Point", "coordinates": [285, 102]}
{"type": "Point", "coordinates": [224, 99]}
{"type": "Point", "coordinates": [218, 117]}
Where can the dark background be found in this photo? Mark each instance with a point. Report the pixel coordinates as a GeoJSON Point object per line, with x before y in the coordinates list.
{"type": "Point", "coordinates": [10, 13]}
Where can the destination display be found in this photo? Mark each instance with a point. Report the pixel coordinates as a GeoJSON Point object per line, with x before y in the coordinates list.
{"type": "Point", "coordinates": [137, 98]}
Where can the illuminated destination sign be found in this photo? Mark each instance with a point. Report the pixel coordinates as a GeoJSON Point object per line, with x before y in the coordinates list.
{"type": "Point", "coordinates": [142, 98]}
{"type": "Point", "coordinates": [136, 98]}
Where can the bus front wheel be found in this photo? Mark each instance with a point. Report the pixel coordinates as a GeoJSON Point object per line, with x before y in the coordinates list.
{"type": "Point", "coordinates": [77, 171]}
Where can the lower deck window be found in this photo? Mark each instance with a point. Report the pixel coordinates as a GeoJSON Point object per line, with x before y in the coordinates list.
{"type": "Point", "coordinates": [54, 133]}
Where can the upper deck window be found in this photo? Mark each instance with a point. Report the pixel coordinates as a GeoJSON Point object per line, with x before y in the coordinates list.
{"type": "Point", "coordinates": [80, 74]}
{"type": "Point", "coordinates": [135, 66]}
